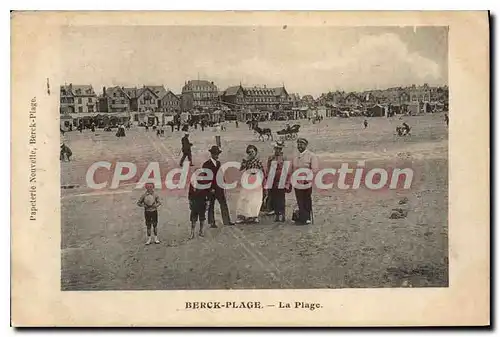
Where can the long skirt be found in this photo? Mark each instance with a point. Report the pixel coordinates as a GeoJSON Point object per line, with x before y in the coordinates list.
{"type": "Point", "coordinates": [249, 201]}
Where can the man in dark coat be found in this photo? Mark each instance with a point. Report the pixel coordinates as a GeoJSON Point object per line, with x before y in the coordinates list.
{"type": "Point", "coordinates": [305, 159]}
{"type": "Point", "coordinates": [216, 192]}
{"type": "Point", "coordinates": [186, 149]}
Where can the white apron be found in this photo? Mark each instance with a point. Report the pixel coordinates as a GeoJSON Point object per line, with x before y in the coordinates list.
{"type": "Point", "coordinates": [249, 200]}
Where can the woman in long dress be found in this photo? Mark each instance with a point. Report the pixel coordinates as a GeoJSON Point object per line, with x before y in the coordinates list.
{"type": "Point", "coordinates": [250, 197]}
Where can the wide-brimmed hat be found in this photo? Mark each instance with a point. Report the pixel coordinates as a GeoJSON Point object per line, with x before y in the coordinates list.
{"type": "Point", "coordinates": [302, 140]}
{"type": "Point", "coordinates": [215, 149]}
{"type": "Point", "coordinates": [279, 143]}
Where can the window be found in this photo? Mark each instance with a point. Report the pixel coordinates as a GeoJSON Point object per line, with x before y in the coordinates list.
{"type": "Point", "coordinates": [114, 94]}
{"type": "Point", "coordinates": [123, 101]}
{"type": "Point", "coordinates": [79, 101]}
{"type": "Point", "coordinates": [91, 108]}
{"type": "Point", "coordinates": [80, 109]}
{"type": "Point", "coordinates": [113, 101]}
{"type": "Point", "coordinates": [90, 99]}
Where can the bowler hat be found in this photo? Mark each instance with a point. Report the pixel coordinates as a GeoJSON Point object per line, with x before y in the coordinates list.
{"type": "Point", "coordinates": [215, 149]}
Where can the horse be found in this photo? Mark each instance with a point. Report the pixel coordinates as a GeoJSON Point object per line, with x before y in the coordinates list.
{"type": "Point", "coordinates": [263, 132]}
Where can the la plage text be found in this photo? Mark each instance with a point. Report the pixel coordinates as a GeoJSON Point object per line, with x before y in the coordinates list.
{"type": "Point", "coordinates": [251, 305]}
{"type": "Point", "coordinates": [32, 160]}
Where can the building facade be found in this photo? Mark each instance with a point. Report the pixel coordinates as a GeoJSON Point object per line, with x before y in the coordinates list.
{"type": "Point", "coordinates": [147, 100]}
{"type": "Point", "coordinates": [66, 100]}
{"type": "Point", "coordinates": [85, 98]}
{"type": "Point", "coordinates": [308, 100]}
{"type": "Point", "coordinates": [199, 94]}
{"type": "Point", "coordinates": [117, 99]}
{"type": "Point", "coordinates": [256, 98]}
{"type": "Point", "coordinates": [294, 100]}
{"type": "Point", "coordinates": [77, 99]}
{"type": "Point", "coordinates": [394, 96]}
{"type": "Point", "coordinates": [420, 93]}
{"type": "Point", "coordinates": [352, 99]}
{"type": "Point", "coordinates": [170, 103]}
{"type": "Point", "coordinates": [131, 92]}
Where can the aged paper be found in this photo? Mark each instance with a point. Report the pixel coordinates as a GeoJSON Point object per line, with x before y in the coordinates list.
{"type": "Point", "coordinates": [98, 99]}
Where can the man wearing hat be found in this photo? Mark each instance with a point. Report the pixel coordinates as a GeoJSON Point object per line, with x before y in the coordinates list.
{"type": "Point", "coordinates": [186, 149]}
{"type": "Point", "coordinates": [277, 192]}
{"type": "Point", "coordinates": [304, 159]}
{"type": "Point", "coordinates": [216, 191]}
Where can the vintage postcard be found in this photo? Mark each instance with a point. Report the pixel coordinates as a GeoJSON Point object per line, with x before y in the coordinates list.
{"type": "Point", "coordinates": [250, 168]}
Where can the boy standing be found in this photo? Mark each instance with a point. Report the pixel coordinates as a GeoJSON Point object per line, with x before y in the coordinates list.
{"type": "Point", "coordinates": [150, 201]}
{"type": "Point", "coordinates": [198, 205]}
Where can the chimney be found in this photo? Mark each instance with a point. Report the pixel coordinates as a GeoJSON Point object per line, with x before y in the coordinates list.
{"type": "Point", "coordinates": [70, 86]}
{"type": "Point", "coordinates": [104, 91]}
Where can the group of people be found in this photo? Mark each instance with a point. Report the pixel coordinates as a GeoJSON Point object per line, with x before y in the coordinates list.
{"type": "Point", "coordinates": [120, 132]}
{"type": "Point", "coordinates": [403, 130]}
{"type": "Point", "coordinates": [250, 200]}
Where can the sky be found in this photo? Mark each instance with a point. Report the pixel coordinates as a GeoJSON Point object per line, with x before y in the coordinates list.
{"type": "Point", "coordinates": [307, 60]}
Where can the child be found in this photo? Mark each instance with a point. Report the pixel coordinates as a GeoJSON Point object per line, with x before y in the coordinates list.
{"type": "Point", "coordinates": [150, 201]}
{"type": "Point", "coordinates": [198, 205]}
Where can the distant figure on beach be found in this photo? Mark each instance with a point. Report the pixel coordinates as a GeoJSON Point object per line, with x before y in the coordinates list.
{"type": "Point", "coordinates": [121, 131]}
{"type": "Point", "coordinates": [66, 153]}
{"type": "Point", "coordinates": [186, 149]}
{"type": "Point", "coordinates": [365, 123]}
